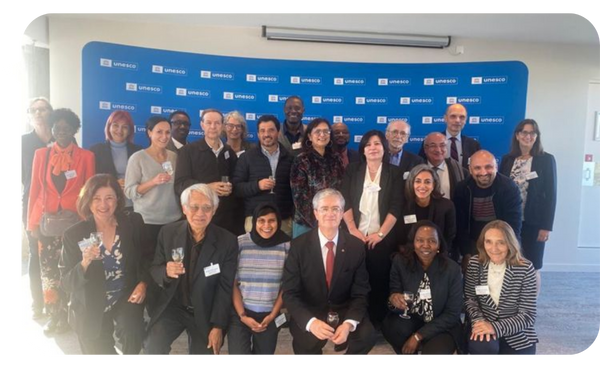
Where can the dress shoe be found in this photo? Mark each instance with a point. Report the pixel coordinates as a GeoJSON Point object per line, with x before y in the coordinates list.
{"type": "Point", "coordinates": [37, 314]}
{"type": "Point", "coordinates": [50, 326]}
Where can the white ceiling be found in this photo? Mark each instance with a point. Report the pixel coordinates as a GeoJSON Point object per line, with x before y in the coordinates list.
{"type": "Point", "coordinates": [561, 28]}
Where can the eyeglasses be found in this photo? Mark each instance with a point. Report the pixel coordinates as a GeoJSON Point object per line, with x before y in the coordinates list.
{"type": "Point", "coordinates": [394, 133]}
{"type": "Point", "coordinates": [321, 132]}
{"type": "Point", "coordinates": [204, 209]}
{"type": "Point", "coordinates": [233, 126]}
{"type": "Point", "coordinates": [440, 146]}
{"type": "Point", "coordinates": [180, 122]}
{"type": "Point", "coordinates": [524, 134]}
{"type": "Point", "coordinates": [334, 210]}
{"type": "Point", "coordinates": [33, 110]}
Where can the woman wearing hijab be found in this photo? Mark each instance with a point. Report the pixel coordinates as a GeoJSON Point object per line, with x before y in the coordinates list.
{"type": "Point", "coordinates": [257, 289]}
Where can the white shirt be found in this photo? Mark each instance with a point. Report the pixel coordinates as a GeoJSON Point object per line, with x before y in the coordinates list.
{"type": "Point", "coordinates": [218, 150]}
{"type": "Point", "coordinates": [369, 204]}
{"type": "Point", "coordinates": [458, 146]}
{"type": "Point", "coordinates": [444, 178]}
{"type": "Point", "coordinates": [176, 143]}
{"type": "Point", "coordinates": [323, 240]}
{"type": "Point", "coordinates": [495, 280]}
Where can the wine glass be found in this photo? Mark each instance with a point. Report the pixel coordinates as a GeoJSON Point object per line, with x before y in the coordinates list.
{"type": "Point", "coordinates": [168, 167]}
{"type": "Point", "coordinates": [177, 254]}
{"type": "Point", "coordinates": [333, 319]}
{"type": "Point", "coordinates": [96, 239]}
{"type": "Point", "coordinates": [225, 179]}
{"type": "Point", "coordinates": [409, 298]}
{"type": "Point", "coordinates": [271, 177]}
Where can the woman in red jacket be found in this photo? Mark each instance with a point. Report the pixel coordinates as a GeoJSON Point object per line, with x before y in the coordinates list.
{"type": "Point", "coordinates": [59, 172]}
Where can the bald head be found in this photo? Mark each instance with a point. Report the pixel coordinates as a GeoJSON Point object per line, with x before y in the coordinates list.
{"type": "Point", "coordinates": [435, 148]}
{"type": "Point", "coordinates": [397, 134]}
{"type": "Point", "coordinates": [455, 118]}
{"type": "Point", "coordinates": [341, 135]}
{"type": "Point", "coordinates": [483, 168]}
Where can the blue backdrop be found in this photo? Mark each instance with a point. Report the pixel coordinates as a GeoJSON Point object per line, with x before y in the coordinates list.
{"type": "Point", "coordinates": [365, 96]}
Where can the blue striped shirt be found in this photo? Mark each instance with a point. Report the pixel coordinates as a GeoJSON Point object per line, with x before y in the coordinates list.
{"type": "Point", "coordinates": [259, 273]}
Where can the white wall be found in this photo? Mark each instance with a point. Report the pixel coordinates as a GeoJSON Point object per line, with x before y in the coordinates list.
{"type": "Point", "coordinates": [559, 76]}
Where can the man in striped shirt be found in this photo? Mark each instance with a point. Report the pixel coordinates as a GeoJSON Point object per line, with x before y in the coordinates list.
{"type": "Point", "coordinates": [484, 197]}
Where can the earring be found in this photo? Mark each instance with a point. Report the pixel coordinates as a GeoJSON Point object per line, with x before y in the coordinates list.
{"type": "Point", "coordinates": [308, 143]}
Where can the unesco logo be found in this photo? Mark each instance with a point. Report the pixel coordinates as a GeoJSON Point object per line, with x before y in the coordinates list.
{"type": "Point", "coordinates": [164, 110]}
{"type": "Point", "coordinates": [416, 100]}
{"type": "Point", "coordinates": [159, 69]}
{"type": "Point", "coordinates": [486, 120]}
{"type": "Point", "coordinates": [391, 119]}
{"type": "Point", "coordinates": [305, 80]}
{"type": "Point", "coordinates": [349, 119]}
{"type": "Point", "coordinates": [184, 92]}
{"type": "Point", "coordinates": [327, 100]}
{"type": "Point", "coordinates": [393, 82]}
{"type": "Point", "coordinates": [108, 63]}
{"type": "Point", "coordinates": [440, 81]}
{"type": "Point", "coordinates": [489, 80]}
{"type": "Point", "coordinates": [107, 105]}
{"type": "Point", "coordinates": [239, 96]}
{"type": "Point", "coordinates": [262, 78]}
{"type": "Point", "coordinates": [382, 120]}
{"type": "Point", "coordinates": [463, 100]}
{"type": "Point", "coordinates": [134, 87]}
{"type": "Point", "coordinates": [277, 98]}
{"type": "Point", "coordinates": [433, 120]}
{"type": "Point", "coordinates": [250, 116]}
{"type": "Point", "coordinates": [207, 74]}
{"type": "Point", "coordinates": [349, 81]}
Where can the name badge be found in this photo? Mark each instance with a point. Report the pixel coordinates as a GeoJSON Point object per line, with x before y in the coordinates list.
{"type": "Point", "coordinates": [227, 155]}
{"type": "Point", "coordinates": [372, 188]}
{"type": "Point", "coordinates": [531, 175]}
{"type": "Point", "coordinates": [425, 294]}
{"type": "Point", "coordinates": [212, 270]}
{"type": "Point", "coordinates": [280, 320]}
{"type": "Point", "coordinates": [482, 290]}
{"type": "Point", "coordinates": [71, 174]}
{"type": "Point", "coordinates": [410, 219]}
{"type": "Point", "coordinates": [296, 145]}
{"type": "Point", "coordinates": [406, 173]}
{"type": "Point", "coordinates": [84, 244]}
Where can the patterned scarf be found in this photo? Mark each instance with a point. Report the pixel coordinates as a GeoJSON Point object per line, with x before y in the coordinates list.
{"type": "Point", "coordinates": [61, 159]}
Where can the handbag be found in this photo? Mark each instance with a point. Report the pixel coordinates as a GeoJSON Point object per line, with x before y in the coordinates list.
{"type": "Point", "coordinates": [55, 224]}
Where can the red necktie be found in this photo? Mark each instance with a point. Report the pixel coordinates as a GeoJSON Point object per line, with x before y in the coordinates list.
{"type": "Point", "coordinates": [329, 263]}
{"type": "Point", "coordinates": [453, 149]}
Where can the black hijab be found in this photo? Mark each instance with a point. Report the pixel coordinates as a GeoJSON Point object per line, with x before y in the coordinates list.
{"type": "Point", "coordinates": [277, 238]}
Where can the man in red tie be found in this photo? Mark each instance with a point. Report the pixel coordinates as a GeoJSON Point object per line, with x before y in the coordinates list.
{"type": "Point", "coordinates": [325, 272]}
{"type": "Point", "coordinates": [460, 147]}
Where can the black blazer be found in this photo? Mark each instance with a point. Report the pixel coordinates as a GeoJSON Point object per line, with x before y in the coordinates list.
{"type": "Point", "coordinates": [446, 292]}
{"type": "Point", "coordinates": [86, 290]}
{"type": "Point", "coordinates": [196, 163]}
{"type": "Point", "coordinates": [305, 293]}
{"type": "Point", "coordinates": [390, 195]}
{"type": "Point", "coordinates": [541, 194]}
{"type": "Point", "coordinates": [104, 159]}
{"type": "Point", "coordinates": [211, 296]}
{"type": "Point", "coordinates": [468, 144]}
{"type": "Point", "coordinates": [441, 212]}
{"type": "Point", "coordinates": [353, 156]}
{"type": "Point", "coordinates": [456, 173]}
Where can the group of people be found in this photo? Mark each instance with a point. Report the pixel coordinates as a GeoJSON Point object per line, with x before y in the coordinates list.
{"type": "Point", "coordinates": [219, 236]}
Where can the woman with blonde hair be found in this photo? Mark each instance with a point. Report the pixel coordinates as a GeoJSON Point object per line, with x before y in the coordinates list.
{"type": "Point", "coordinates": [500, 294]}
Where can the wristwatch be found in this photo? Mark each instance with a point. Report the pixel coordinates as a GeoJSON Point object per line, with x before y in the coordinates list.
{"type": "Point", "coordinates": [380, 234]}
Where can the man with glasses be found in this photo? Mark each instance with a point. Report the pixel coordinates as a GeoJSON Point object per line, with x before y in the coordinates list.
{"type": "Point", "coordinates": [449, 171]}
{"type": "Point", "coordinates": [325, 273]}
{"type": "Point", "coordinates": [195, 292]}
{"type": "Point", "coordinates": [397, 134]}
{"type": "Point", "coordinates": [341, 138]}
{"type": "Point", "coordinates": [41, 135]}
{"type": "Point", "coordinates": [262, 174]}
{"type": "Point", "coordinates": [180, 128]}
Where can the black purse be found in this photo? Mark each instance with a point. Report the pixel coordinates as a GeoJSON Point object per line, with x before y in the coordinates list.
{"type": "Point", "coordinates": [55, 224]}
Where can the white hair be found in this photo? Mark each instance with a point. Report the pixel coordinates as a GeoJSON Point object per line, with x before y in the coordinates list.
{"type": "Point", "coordinates": [326, 193]}
{"type": "Point", "coordinates": [203, 189]}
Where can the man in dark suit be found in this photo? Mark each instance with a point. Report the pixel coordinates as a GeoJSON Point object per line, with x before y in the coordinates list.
{"type": "Point", "coordinates": [292, 128]}
{"type": "Point", "coordinates": [325, 272]}
{"type": "Point", "coordinates": [449, 171]}
{"type": "Point", "coordinates": [397, 134]}
{"type": "Point", "coordinates": [180, 129]}
{"type": "Point", "coordinates": [341, 138]}
{"type": "Point", "coordinates": [460, 147]}
{"type": "Point", "coordinates": [196, 292]}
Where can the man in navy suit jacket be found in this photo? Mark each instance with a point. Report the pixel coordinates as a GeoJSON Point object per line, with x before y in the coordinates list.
{"type": "Point", "coordinates": [311, 289]}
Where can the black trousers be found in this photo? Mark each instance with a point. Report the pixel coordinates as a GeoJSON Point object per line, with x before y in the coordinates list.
{"type": "Point", "coordinates": [153, 290]}
{"type": "Point", "coordinates": [172, 322]}
{"type": "Point", "coordinates": [361, 341]}
{"type": "Point", "coordinates": [35, 276]}
{"type": "Point", "coordinates": [242, 340]}
{"type": "Point", "coordinates": [379, 264]}
{"type": "Point", "coordinates": [498, 346]}
{"type": "Point", "coordinates": [126, 320]}
{"type": "Point", "coordinates": [397, 330]}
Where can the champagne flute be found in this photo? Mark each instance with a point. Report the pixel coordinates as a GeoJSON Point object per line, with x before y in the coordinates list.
{"type": "Point", "coordinates": [409, 298]}
{"type": "Point", "coordinates": [177, 254]}
{"type": "Point", "coordinates": [225, 179]}
{"type": "Point", "coordinates": [271, 177]}
{"type": "Point", "coordinates": [333, 319]}
{"type": "Point", "coordinates": [168, 167]}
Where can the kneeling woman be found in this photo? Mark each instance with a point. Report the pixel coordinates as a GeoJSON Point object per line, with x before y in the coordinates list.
{"type": "Point", "coordinates": [435, 282]}
{"type": "Point", "coordinates": [500, 294]}
{"type": "Point", "coordinates": [106, 283]}
{"type": "Point", "coordinates": [257, 296]}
